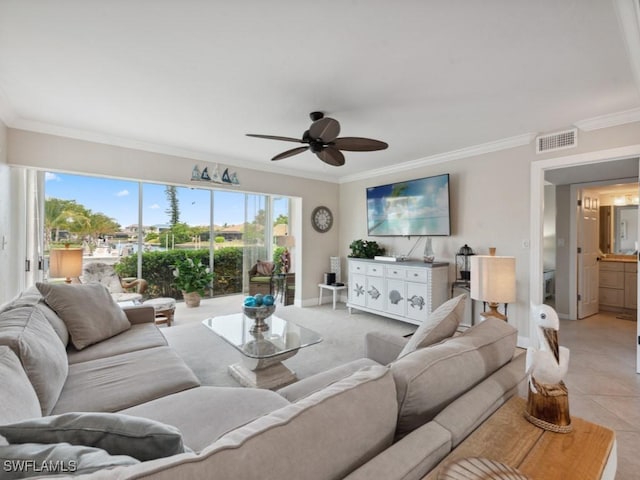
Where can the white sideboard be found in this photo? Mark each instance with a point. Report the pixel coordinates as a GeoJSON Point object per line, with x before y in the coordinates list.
{"type": "Point", "coordinates": [407, 291]}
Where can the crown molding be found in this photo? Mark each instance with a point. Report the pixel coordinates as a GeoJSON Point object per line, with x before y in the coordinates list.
{"type": "Point", "coordinates": [89, 136]}
{"type": "Point", "coordinates": [609, 120]}
{"type": "Point", "coordinates": [504, 144]}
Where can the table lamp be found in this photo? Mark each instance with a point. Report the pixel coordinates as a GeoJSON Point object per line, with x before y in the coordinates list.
{"type": "Point", "coordinates": [287, 242]}
{"type": "Point", "coordinates": [493, 280]}
{"type": "Point", "coordinates": [65, 262]}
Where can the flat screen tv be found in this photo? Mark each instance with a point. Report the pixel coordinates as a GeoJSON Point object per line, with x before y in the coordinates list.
{"type": "Point", "coordinates": [414, 207]}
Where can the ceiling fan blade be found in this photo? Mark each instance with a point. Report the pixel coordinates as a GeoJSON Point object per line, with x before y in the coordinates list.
{"type": "Point", "coordinates": [325, 129]}
{"type": "Point", "coordinates": [275, 137]}
{"type": "Point", "coordinates": [358, 144]}
{"type": "Point", "coordinates": [290, 153]}
{"type": "Point", "coordinates": [331, 156]}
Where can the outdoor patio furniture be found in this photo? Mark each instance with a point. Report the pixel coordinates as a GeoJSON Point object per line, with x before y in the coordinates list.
{"type": "Point", "coordinates": [122, 290]}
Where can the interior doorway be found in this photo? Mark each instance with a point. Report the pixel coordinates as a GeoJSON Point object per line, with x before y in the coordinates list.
{"type": "Point", "coordinates": [589, 163]}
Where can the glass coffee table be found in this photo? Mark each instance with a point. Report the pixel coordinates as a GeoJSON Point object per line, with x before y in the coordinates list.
{"type": "Point", "coordinates": [262, 352]}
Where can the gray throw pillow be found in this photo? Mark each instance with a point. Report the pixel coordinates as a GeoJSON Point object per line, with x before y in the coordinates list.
{"type": "Point", "coordinates": [34, 460]}
{"type": "Point", "coordinates": [116, 433]}
{"type": "Point", "coordinates": [43, 356]}
{"type": "Point", "coordinates": [441, 324]}
{"type": "Point", "coordinates": [89, 311]}
{"type": "Point", "coordinates": [17, 396]}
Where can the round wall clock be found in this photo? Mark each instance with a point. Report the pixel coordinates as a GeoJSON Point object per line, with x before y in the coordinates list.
{"type": "Point", "coordinates": [322, 219]}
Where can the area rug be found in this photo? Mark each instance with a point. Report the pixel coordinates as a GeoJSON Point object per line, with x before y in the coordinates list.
{"type": "Point", "coordinates": [343, 340]}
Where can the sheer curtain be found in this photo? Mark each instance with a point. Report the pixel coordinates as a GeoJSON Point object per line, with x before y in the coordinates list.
{"type": "Point", "coordinates": [257, 233]}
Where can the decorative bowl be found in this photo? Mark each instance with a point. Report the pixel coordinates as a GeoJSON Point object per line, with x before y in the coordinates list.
{"type": "Point", "coordinates": [258, 315]}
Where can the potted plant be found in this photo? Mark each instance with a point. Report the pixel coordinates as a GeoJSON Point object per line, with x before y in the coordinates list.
{"type": "Point", "coordinates": [192, 278]}
{"type": "Point", "coordinates": [365, 249]}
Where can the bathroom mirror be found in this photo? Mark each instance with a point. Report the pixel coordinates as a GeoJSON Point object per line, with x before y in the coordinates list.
{"type": "Point", "coordinates": [625, 229]}
{"type": "Point", "coordinates": [619, 229]}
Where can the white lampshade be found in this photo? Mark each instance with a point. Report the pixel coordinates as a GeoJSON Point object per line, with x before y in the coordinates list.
{"type": "Point", "coordinates": [65, 262]}
{"type": "Point", "coordinates": [493, 279]}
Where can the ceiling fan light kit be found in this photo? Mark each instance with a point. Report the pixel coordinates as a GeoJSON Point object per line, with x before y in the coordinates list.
{"type": "Point", "coordinates": [322, 139]}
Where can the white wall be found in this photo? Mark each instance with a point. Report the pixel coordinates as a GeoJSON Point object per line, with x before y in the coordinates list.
{"type": "Point", "coordinates": [563, 251]}
{"type": "Point", "coordinates": [51, 152]}
{"type": "Point", "coordinates": [489, 208]}
{"type": "Point", "coordinates": [6, 267]}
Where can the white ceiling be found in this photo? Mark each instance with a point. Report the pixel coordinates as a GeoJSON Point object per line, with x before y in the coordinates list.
{"type": "Point", "coordinates": [427, 77]}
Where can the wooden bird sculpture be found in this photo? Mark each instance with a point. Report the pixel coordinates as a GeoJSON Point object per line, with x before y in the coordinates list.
{"type": "Point", "coordinates": [546, 368]}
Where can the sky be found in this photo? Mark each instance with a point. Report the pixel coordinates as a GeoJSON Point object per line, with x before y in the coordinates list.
{"type": "Point", "coordinates": [118, 199]}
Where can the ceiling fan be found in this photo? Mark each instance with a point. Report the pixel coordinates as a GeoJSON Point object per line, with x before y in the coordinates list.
{"type": "Point", "coordinates": [322, 139]}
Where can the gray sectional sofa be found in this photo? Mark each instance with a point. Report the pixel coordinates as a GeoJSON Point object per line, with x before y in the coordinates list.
{"type": "Point", "coordinates": [393, 416]}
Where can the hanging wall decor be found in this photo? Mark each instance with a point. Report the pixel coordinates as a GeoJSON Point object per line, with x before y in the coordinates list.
{"type": "Point", "coordinates": [212, 175]}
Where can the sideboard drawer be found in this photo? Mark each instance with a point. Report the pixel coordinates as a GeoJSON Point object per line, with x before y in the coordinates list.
{"type": "Point", "coordinates": [396, 272]}
{"type": "Point", "coordinates": [417, 275]}
{"type": "Point", "coordinates": [375, 270]}
{"type": "Point", "coordinates": [357, 267]}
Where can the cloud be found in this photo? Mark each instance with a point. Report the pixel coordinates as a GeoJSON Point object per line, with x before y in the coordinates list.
{"type": "Point", "coordinates": [122, 193]}
{"type": "Point", "coordinates": [49, 176]}
{"type": "Point", "coordinates": [154, 206]}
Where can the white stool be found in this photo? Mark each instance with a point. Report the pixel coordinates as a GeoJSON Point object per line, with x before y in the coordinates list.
{"type": "Point", "coordinates": [334, 288]}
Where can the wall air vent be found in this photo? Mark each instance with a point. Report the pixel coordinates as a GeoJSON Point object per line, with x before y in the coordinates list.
{"type": "Point", "coordinates": [557, 141]}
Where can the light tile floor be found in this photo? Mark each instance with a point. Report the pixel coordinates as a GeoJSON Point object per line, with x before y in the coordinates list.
{"type": "Point", "coordinates": [603, 384]}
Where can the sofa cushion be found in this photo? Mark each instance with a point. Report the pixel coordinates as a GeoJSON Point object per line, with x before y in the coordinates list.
{"type": "Point", "coordinates": [309, 385]}
{"type": "Point", "coordinates": [224, 409]}
{"type": "Point", "coordinates": [138, 337]}
{"type": "Point", "coordinates": [89, 311]}
{"type": "Point", "coordinates": [137, 437]}
{"type": "Point", "coordinates": [17, 396]}
{"type": "Point", "coordinates": [325, 435]}
{"type": "Point", "coordinates": [121, 381]}
{"type": "Point", "coordinates": [32, 297]}
{"type": "Point", "coordinates": [428, 379]}
{"type": "Point", "coordinates": [442, 323]}
{"type": "Point", "coordinates": [42, 354]}
{"type": "Point", "coordinates": [58, 459]}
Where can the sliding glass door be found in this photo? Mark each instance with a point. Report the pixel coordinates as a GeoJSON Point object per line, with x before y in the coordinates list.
{"type": "Point", "coordinates": [142, 228]}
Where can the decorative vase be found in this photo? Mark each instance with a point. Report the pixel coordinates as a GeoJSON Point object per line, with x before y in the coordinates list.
{"type": "Point", "coordinates": [259, 315]}
{"type": "Point", "coordinates": [191, 299]}
{"type": "Point", "coordinates": [429, 255]}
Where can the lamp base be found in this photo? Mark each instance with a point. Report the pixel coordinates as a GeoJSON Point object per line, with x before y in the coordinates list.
{"type": "Point", "coordinates": [493, 312]}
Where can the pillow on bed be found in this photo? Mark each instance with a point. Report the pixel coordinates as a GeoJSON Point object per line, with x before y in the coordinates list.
{"type": "Point", "coordinates": [88, 310]}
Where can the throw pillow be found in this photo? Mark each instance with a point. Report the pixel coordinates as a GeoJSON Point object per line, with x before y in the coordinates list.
{"type": "Point", "coordinates": [35, 460]}
{"type": "Point", "coordinates": [118, 434]}
{"type": "Point", "coordinates": [264, 268]}
{"type": "Point", "coordinates": [442, 323]}
{"type": "Point", "coordinates": [89, 311]}
{"type": "Point", "coordinates": [17, 396]}
{"type": "Point", "coordinates": [43, 356]}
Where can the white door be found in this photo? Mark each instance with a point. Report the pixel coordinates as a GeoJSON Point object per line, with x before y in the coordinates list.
{"type": "Point", "coordinates": [588, 255]}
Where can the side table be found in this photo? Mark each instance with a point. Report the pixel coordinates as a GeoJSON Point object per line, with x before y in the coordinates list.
{"type": "Point", "coordinates": [334, 288]}
{"type": "Point", "coordinates": [588, 452]}
{"type": "Point", "coordinates": [164, 307]}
